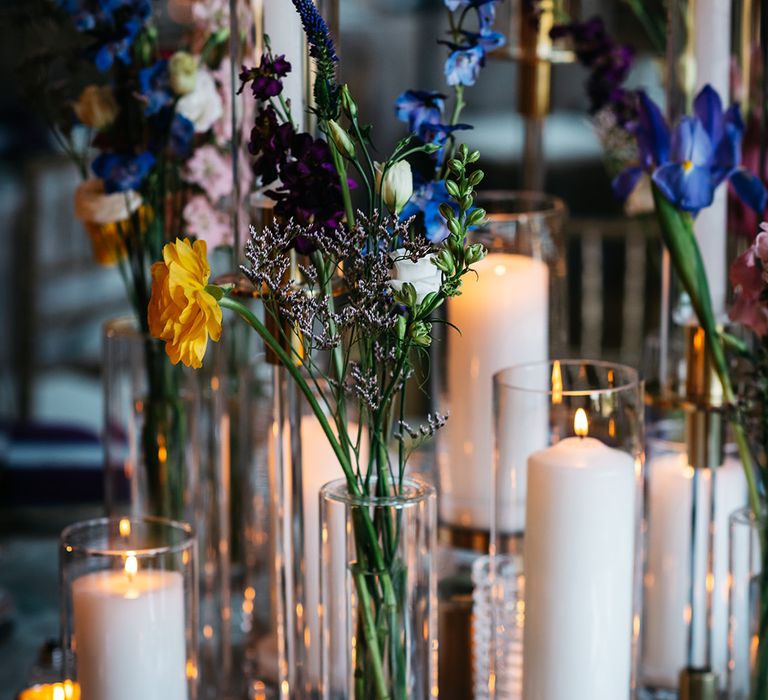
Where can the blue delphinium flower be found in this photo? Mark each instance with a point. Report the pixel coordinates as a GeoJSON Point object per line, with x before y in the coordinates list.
{"type": "Point", "coordinates": [417, 107]}
{"type": "Point", "coordinates": [688, 165]}
{"type": "Point", "coordinates": [439, 134]}
{"type": "Point", "coordinates": [463, 66]}
{"type": "Point", "coordinates": [426, 199]}
{"type": "Point", "coordinates": [181, 135]}
{"type": "Point", "coordinates": [155, 87]}
{"type": "Point", "coordinates": [123, 172]}
{"type": "Point", "coordinates": [114, 24]}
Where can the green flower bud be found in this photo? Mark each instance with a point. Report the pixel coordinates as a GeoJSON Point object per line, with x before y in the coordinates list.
{"type": "Point", "coordinates": [341, 139]}
{"type": "Point", "coordinates": [347, 103]}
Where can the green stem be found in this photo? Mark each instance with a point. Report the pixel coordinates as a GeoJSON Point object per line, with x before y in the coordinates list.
{"type": "Point", "coordinates": [369, 631]}
{"type": "Point", "coordinates": [341, 169]}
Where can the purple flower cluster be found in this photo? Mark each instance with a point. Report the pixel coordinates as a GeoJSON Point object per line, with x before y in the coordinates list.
{"type": "Point", "coordinates": [609, 65]}
{"type": "Point", "coordinates": [113, 24]}
{"type": "Point", "coordinates": [265, 79]}
{"type": "Point", "coordinates": [306, 185]}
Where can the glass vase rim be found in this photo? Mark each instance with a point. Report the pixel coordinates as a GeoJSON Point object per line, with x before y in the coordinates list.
{"type": "Point", "coordinates": [125, 326]}
{"type": "Point", "coordinates": [633, 382]}
{"type": "Point", "coordinates": [419, 491]}
{"type": "Point", "coordinates": [556, 205]}
{"type": "Point", "coordinates": [746, 516]}
{"type": "Point", "coordinates": [178, 526]}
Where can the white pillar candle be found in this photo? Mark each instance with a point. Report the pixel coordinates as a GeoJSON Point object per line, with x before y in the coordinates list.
{"type": "Point", "coordinates": [712, 52]}
{"type": "Point", "coordinates": [667, 578]}
{"type": "Point", "coordinates": [503, 316]}
{"type": "Point", "coordinates": [579, 554]}
{"type": "Point", "coordinates": [282, 25]}
{"type": "Point", "coordinates": [129, 634]}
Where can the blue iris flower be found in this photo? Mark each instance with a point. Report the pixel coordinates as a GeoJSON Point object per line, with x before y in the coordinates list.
{"type": "Point", "coordinates": [417, 107]}
{"type": "Point", "coordinates": [688, 165]}
{"type": "Point", "coordinates": [181, 135]}
{"type": "Point", "coordinates": [155, 87]}
{"type": "Point", "coordinates": [426, 199]}
{"type": "Point", "coordinates": [122, 172]}
{"type": "Point", "coordinates": [463, 66]}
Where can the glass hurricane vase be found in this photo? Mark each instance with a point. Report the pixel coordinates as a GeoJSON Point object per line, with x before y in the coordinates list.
{"type": "Point", "coordinates": [378, 593]}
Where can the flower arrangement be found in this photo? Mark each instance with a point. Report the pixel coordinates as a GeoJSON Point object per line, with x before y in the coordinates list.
{"type": "Point", "coordinates": [149, 128]}
{"type": "Point", "coordinates": [686, 166]}
{"type": "Point", "coordinates": [350, 293]}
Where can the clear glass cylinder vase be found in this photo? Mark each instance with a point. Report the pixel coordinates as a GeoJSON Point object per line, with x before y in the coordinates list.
{"type": "Point", "coordinates": [520, 284]}
{"type": "Point", "coordinates": [568, 487]}
{"type": "Point", "coordinates": [747, 663]}
{"type": "Point", "coordinates": [151, 419]}
{"type": "Point", "coordinates": [378, 593]}
{"type": "Point", "coordinates": [129, 608]}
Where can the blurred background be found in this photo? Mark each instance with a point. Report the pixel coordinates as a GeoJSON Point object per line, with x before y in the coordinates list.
{"type": "Point", "coordinates": [54, 298]}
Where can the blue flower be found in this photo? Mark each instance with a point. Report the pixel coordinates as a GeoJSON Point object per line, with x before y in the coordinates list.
{"type": "Point", "coordinates": [122, 172]}
{"type": "Point", "coordinates": [463, 66]}
{"type": "Point", "coordinates": [688, 180]}
{"type": "Point", "coordinates": [703, 152]}
{"type": "Point", "coordinates": [181, 135]}
{"type": "Point", "coordinates": [114, 24]}
{"type": "Point", "coordinates": [487, 40]}
{"type": "Point", "coordinates": [417, 107]}
{"type": "Point", "coordinates": [426, 199]}
{"type": "Point", "coordinates": [155, 87]}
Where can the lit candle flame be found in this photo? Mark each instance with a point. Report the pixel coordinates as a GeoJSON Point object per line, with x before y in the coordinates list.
{"type": "Point", "coordinates": [125, 527]}
{"type": "Point", "coordinates": [131, 566]}
{"type": "Point", "coordinates": [557, 383]}
{"type": "Point", "coordinates": [580, 423]}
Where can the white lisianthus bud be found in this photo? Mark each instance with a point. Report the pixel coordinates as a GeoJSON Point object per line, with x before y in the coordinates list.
{"type": "Point", "coordinates": [96, 106]}
{"type": "Point", "coordinates": [183, 70]}
{"type": "Point", "coordinates": [422, 274]}
{"type": "Point", "coordinates": [397, 187]}
{"type": "Point", "coordinates": [93, 206]}
{"type": "Point", "coordinates": [341, 139]}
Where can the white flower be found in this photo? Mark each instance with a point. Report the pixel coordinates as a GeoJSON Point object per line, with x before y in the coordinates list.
{"type": "Point", "coordinates": [203, 106]}
{"type": "Point", "coordinates": [183, 70]}
{"type": "Point", "coordinates": [423, 275]}
{"type": "Point", "coordinates": [96, 106]}
{"type": "Point", "coordinates": [398, 185]}
{"type": "Point", "coordinates": [92, 206]}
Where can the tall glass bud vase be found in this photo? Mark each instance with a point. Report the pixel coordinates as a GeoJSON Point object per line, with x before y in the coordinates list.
{"type": "Point", "coordinates": [151, 418]}
{"type": "Point", "coordinates": [379, 618]}
{"type": "Point", "coordinates": [745, 567]}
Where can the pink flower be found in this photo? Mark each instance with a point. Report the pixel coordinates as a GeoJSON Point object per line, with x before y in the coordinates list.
{"type": "Point", "coordinates": [749, 281]}
{"type": "Point", "coordinates": [206, 223]}
{"type": "Point", "coordinates": [210, 170]}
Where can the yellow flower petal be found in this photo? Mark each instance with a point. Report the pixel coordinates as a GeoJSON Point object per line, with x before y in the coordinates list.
{"type": "Point", "coordinates": [181, 312]}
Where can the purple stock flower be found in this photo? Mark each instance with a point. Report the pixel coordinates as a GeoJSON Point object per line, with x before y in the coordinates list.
{"type": "Point", "coordinates": [123, 172]}
{"type": "Point", "coordinates": [609, 65]}
{"type": "Point", "coordinates": [688, 165]}
{"type": "Point", "coordinates": [417, 107]}
{"type": "Point", "coordinates": [305, 183]}
{"type": "Point", "coordinates": [266, 78]}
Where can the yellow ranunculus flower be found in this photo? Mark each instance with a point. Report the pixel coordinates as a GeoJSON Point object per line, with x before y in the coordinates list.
{"type": "Point", "coordinates": [181, 312]}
